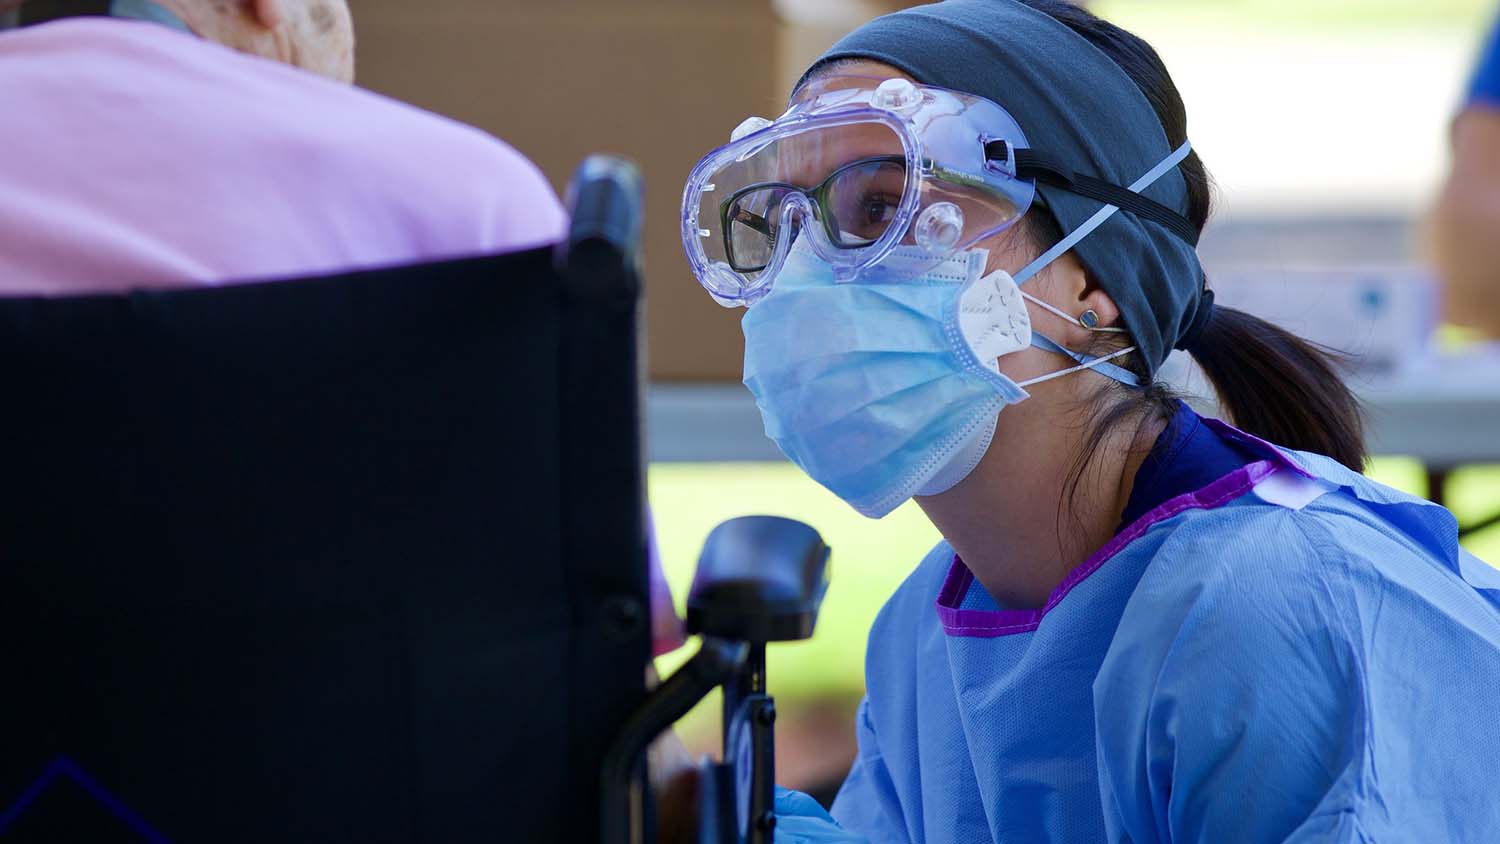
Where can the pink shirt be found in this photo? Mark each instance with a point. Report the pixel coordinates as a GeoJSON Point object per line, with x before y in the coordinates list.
{"type": "Point", "coordinates": [133, 155]}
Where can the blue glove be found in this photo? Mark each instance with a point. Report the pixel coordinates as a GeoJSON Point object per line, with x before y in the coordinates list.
{"type": "Point", "coordinates": [800, 820]}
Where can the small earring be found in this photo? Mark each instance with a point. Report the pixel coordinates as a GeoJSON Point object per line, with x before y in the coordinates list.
{"type": "Point", "coordinates": [1089, 319]}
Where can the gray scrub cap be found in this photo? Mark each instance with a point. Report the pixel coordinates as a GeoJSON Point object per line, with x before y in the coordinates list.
{"type": "Point", "coordinates": [1081, 110]}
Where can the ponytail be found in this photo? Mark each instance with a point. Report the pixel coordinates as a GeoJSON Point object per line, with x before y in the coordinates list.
{"type": "Point", "coordinates": [1281, 388]}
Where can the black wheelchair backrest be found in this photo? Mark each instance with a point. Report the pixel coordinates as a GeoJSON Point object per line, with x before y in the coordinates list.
{"type": "Point", "coordinates": [357, 558]}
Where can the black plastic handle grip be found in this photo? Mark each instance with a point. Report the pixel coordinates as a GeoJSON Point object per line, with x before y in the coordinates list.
{"type": "Point", "coordinates": [760, 579]}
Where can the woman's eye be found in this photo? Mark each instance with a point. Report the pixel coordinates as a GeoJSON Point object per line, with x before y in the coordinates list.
{"type": "Point", "coordinates": [878, 210]}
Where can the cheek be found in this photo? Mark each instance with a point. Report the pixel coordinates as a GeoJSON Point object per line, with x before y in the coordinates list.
{"type": "Point", "coordinates": [1009, 250]}
{"type": "Point", "coordinates": [1029, 363]}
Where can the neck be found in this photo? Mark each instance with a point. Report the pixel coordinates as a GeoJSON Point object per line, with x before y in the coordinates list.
{"type": "Point", "coordinates": [1017, 520]}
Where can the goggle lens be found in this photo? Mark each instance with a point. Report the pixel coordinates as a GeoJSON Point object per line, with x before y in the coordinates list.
{"type": "Point", "coordinates": [752, 224]}
{"type": "Point", "coordinates": [859, 201]}
{"type": "Point", "coordinates": [855, 204]}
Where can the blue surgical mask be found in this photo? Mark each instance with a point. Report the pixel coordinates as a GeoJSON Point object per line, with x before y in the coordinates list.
{"type": "Point", "coordinates": [887, 386]}
{"type": "Point", "coordinates": [867, 386]}
{"type": "Point", "coordinates": [881, 390]}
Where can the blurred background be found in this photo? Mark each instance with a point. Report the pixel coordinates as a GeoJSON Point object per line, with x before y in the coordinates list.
{"type": "Point", "coordinates": [1324, 123]}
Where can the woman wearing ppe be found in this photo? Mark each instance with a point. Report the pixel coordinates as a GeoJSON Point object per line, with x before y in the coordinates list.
{"type": "Point", "coordinates": [964, 251]}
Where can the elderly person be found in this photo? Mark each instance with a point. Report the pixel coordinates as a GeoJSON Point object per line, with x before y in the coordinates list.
{"type": "Point", "coordinates": [198, 142]}
{"type": "Point", "coordinates": [192, 142]}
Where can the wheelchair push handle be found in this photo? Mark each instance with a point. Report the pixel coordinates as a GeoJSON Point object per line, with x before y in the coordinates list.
{"type": "Point", "coordinates": [606, 201]}
{"type": "Point", "coordinates": [759, 579]}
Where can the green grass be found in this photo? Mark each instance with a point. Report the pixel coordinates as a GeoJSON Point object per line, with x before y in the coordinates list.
{"type": "Point", "coordinates": [1298, 15]}
{"type": "Point", "coordinates": [871, 558]}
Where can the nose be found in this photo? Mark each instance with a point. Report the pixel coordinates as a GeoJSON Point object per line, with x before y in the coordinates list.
{"type": "Point", "coordinates": [796, 208]}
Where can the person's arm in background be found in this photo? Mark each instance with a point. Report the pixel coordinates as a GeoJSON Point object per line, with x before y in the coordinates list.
{"type": "Point", "coordinates": [1463, 233]}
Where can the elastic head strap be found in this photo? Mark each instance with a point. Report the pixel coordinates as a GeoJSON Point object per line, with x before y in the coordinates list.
{"type": "Point", "coordinates": [1030, 164]}
{"type": "Point", "coordinates": [1103, 214]}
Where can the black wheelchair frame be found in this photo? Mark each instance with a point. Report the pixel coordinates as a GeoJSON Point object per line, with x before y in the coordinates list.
{"type": "Point", "coordinates": [269, 560]}
{"type": "Point", "coordinates": [760, 579]}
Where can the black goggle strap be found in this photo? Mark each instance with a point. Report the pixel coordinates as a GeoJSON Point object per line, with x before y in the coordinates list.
{"type": "Point", "coordinates": [1029, 164]}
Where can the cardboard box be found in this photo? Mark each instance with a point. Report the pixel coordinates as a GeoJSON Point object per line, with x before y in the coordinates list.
{"type": "Point", "coordinates": [661, 82]}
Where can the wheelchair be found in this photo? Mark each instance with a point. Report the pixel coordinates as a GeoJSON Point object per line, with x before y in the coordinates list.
{"type": "Point", "coordinates": [364, 558]}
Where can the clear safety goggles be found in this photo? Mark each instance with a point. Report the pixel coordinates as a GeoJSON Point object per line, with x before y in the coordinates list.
{"type": "Point", "coordinates": [856, 168]}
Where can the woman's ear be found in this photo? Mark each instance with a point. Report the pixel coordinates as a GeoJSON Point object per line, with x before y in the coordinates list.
{"type": "Point", "coordinates": [1096, 300]}
{"type": "Point", "coordinates": [1065, 285]}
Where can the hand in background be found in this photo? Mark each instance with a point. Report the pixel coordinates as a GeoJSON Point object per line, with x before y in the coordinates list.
{"type": "Point", "coordinates": [674, 779]}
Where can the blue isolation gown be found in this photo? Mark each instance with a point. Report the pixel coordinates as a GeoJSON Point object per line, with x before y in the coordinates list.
{"type": "Point", "coordinates": [1278, 649]}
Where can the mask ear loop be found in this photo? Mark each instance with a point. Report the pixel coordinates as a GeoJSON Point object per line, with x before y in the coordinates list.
{"type": "Point", "coordinates": [1117, 373]}
{"type": "Point", "coordinates": [1099, 363]}
{"type": "Point", "coordinates": [1078, 321]}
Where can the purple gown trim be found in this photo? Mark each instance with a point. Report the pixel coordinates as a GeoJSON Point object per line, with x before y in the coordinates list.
{"type": "Point", "coordinates": [988, 624]}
